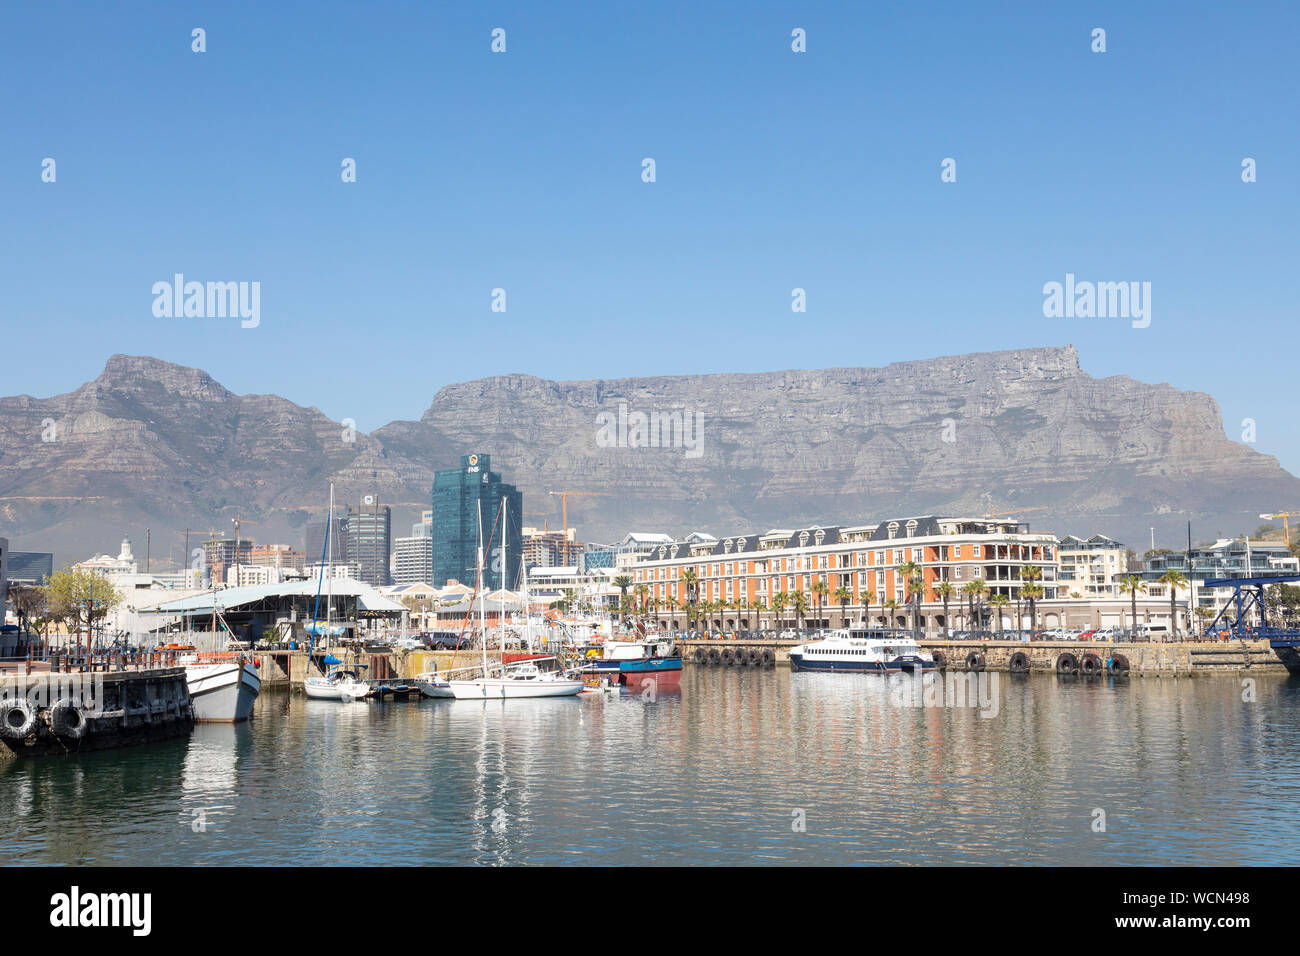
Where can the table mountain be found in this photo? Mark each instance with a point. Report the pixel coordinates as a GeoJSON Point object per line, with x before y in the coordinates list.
{"type": "Point", "coordinates": [152, 444]}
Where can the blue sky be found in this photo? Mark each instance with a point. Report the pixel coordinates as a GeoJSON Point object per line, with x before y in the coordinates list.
{"type": "Point", "coordinates": [774, 170]}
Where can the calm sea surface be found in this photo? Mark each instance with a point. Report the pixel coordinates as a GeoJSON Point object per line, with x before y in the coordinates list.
{"type": "Point", "coordinates": [739, 766]}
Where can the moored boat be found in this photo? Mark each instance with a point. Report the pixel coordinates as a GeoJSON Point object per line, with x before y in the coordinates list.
{"type": "Point", "coordinates": [847, 651]}
{"type": "Point", "coordinates": [629, 662]}
{"type": "Point", "coordinates": [223, 685]}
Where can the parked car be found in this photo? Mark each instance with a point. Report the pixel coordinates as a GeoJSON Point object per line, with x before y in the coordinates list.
{"type": "Point", "coordinates": [442, 641]}
{"type": "Point", "coordinates": [1088, 635]}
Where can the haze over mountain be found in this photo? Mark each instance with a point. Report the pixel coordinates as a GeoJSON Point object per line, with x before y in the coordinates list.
{"type": "Point", "coordinates": [149, 444]}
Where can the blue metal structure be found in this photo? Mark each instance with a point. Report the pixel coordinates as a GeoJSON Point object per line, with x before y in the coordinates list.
{"type": "Point", "coordinates": [1249, 593]}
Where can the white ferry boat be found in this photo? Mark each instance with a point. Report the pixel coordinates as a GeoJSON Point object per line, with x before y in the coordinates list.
{"type": "Point", "coordinates": [862, 651]}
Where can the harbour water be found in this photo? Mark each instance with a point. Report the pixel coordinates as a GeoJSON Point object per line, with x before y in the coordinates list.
{"type": "Point", "coordinates": [739, 766]}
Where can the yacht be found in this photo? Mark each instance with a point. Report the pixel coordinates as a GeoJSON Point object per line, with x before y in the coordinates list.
{"type": "Point", "coordinates": [851, 651]}
{"type": "Point", "coordinates": [518, 680]}
{"type": "Point", "coordinates": [338, 684]}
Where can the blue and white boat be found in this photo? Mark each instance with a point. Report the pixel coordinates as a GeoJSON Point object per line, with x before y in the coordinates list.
{"type": "Point", "coordinates": [627, 662]}
{"type": "Point", "coordinates": [852, 651]}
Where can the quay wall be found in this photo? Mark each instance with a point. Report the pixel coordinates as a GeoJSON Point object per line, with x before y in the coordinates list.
{"type": "Point", "coordinates": [96, 710]}
{"type": "Point", "coordinates": [1172, 659]}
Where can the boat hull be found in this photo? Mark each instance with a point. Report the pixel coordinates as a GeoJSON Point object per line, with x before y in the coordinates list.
{"type": "Point", "coordinates": [800, 663]}
{"type": "Point", "coordinates": [662, 671]}
{"type": "Point", "coordinates": [437, 689]}
{"type": "Point", "coordinates": [223, 692]}
{"type": "Point", "coordinates": [498, 689]}
{"type": "Point", "coordinates": [318, 689]}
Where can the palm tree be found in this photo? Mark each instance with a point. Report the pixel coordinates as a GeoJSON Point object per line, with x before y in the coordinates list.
{"type": "Point", "coordinates": [944, 589]}
{"type": "Point", "coordinates": [759, 607]}
{"type": "Point", "coordinates": [977, 589]}
{"type": "Point", "coordinates": [999, 601]}
{"type": "Point", "coordinates": [890, 607]}
{"type": "Point", "coordinates": [1031, 593]}
{"type": "Point", "coordinates": [779, 601]}
{"type": "Point", "coordinates": [1175, 580]}
{"type": "Point", "coordinates": [1132, 585]}
{"type": "Point", "coordinates": [866, 606]}
{"type": "Point", "coordinates": [820, 588]}
{"type": "Point", "coordinates": [692, 595]}
{"type": "Point", "coordinates": [843, 595]}
{"type": "Point", "coordinates": [622, 582]}
{"type": "Point", "coordinates": [912, 577]}
{"type": "Point", "coordinates": [800, 604]}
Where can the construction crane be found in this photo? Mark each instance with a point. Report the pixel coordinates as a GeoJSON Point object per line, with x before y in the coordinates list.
{"type": "Point", "coordinates": [564, 503]}
{"type": "Point", "coordinates": [545, 515]}
{"type": "Point", "coordinates": [1286, 523]}
{"type": "Point", "coordinates": [238, 521]}
{"type": "Point", "coordinates": [1017, 511]}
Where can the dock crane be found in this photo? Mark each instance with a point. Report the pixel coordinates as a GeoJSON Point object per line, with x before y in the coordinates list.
{"type": "Point", "coordinates": [1286, 523]}
{"type": "Point", "coordinates": [564, 503]}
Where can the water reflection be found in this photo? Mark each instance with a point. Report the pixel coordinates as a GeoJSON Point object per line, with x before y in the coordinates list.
{"type": "Point", "coordinates": [720, 772]}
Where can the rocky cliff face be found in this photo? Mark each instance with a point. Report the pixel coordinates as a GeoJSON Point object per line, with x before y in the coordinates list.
{"type": "Point", "coordinates": [159, 445]}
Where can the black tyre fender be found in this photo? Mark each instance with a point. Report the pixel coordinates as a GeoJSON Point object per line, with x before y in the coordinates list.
{"type": "Point", "coordinates": [1090, 665]}
{"type": "Point", "coordinates": [714, 656]}
{"type": "Point", "coordinates": [974, 661]}
{"type": "Point", "coordinates": [1067, 663]}
{"type": "Point", "coordinates": [1118, 665]}
{"type": "Point", "coordinates": [769, 658]}
{"type": "Point", "coordinates": [940, 660]}
{"type": "Point", "coordinates": [701, 656]}
{"type": "Point", "coordinates": [755, 657]}
{"type": "Point", "coordinates": [1019, 663]}
{"type": "Point", "coordinates": [727, 657]}
{"type": "Point", "coordinates": [17, 718]}
{"type": "Point", "coordinates": [67, 719]}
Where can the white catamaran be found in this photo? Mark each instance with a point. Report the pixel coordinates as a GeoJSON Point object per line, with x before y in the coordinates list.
{"type": "Point", "coordinates": [524, 679]}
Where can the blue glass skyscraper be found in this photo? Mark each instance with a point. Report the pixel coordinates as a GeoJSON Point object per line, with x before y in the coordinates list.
{"type": "Point", "coordinates": [456, 496]}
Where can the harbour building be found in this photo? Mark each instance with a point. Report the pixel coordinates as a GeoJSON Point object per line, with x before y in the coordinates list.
{"type": "Point", "coordinates": [457, 494]}
{"type": "Point", "coordinates": [848, 575]}
{"type": "Point", "coordinates": [1092, 567]}
{"type": "Point", "coordinates": [30, 567]}
{"type": "Point", "coordinates": [413, 556]}
{"type": "Point", "coordinates": [367, 535]}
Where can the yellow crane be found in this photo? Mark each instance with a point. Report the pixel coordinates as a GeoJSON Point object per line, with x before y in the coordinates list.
{"type": "Point", "coordinates": [1286, 523]}
{"type": "Point", "coordinates": [564, 503]}
{"type": "Point", "coordinates": [1017, 511]}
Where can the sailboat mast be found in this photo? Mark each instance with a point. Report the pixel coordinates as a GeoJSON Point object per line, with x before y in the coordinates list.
{"type": "Point", "coordinates": [482, 614]}
{"type": "Point", "coordinates": [505, 576]}
{"type": "Point", "coordinates": [329, 576]}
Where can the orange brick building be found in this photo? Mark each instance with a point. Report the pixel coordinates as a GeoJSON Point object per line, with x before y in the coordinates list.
{"type": "Point", "coordinates": [737, 578]}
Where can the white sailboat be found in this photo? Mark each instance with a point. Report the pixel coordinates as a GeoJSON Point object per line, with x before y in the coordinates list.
{"type": "Point", "coordinates": [337, 683]}
{"type": "Point", "coordinates": [522, 680]}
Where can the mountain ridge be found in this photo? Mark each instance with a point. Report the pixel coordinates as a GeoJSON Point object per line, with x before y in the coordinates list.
{"type": "Point", "coordinates": [150, 443]}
